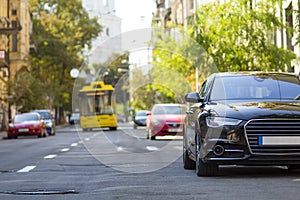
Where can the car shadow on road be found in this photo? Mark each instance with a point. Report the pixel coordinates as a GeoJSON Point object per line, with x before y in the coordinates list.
{"type": "Point", "coordinates": [257, 172]}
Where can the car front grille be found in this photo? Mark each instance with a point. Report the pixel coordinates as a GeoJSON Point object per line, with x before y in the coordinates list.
{"type": "Point", "coordinates": [174, 124]}
{"type": "Point", "coordinates": [273, 136]}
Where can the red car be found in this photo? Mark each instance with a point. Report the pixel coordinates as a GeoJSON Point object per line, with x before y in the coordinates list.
{"type": "Point", "coordinates": [165, 119]}
{"type": "Point", "coordinates": [26, 124]}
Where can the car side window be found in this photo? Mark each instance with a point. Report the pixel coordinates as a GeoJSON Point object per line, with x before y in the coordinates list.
{"type": "Point", "coordinates": [203, 90]}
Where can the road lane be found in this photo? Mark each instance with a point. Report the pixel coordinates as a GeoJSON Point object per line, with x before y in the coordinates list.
{"type": "Point", "coordinates": [77, 174]}
{"type": "Point", "coordinates": [26, 151]}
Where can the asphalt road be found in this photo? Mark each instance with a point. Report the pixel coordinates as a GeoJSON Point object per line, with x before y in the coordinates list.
{"type": "Point", "coordinates": [122, 164]}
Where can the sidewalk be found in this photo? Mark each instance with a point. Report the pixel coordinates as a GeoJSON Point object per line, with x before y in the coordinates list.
{"type": "Point", "coordinates": [3, 135]}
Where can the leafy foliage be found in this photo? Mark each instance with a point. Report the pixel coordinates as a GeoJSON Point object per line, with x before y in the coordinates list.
{"type": "Point", "coordinates": [29, 89]}
{"type": "Point", "coordinates": [240, 36]}
{"type": "Point", "coordinates": [62, 31]}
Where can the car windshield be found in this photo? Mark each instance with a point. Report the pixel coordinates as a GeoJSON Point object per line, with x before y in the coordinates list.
{"type": "Point", "coordinates": [167, 110]}
{"type": "Point", "coordinates": [141, 113]}
{"type": "Point", "coordinates": [24, 118]}
{"type": "Point", "coordinates": [75, 115]}
{"type": "Point", "coordinates": [44, 115]}
{"type": "Point", "coordinates": [255, 87]}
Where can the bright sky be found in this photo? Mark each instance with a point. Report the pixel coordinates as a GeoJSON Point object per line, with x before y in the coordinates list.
{"type": "Point", "coordinates": [135, 14]}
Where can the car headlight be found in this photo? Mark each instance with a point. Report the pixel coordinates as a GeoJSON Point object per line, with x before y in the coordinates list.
{"type": "Point", "coordinates": [36, 125]}
{"type": "Point", "coordinates": [156, 122]}
{"type": "Point", "coordinates": [49, 124]}
{"type": "Point", "coordinates": [221, 121]}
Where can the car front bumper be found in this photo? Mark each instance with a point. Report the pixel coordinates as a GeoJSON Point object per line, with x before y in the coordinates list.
{"type": "Point", "coordinates": [233, 146]}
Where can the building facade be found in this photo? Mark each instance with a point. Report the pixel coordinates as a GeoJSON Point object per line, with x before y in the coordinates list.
{"type": "Point", "coordinates": [15, 31]}
{"type": "Point", "coordinates": [103, 47]}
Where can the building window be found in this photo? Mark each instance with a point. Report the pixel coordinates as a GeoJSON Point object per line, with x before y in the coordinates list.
{"type": "Point", "coordinates": [14, 38]}
{"type": "Point", "coordinates": [107, 31]}
{"type": "Point", "coordinates": [105, 3]}
{"type": "Point", "coordinates": [14, 12]}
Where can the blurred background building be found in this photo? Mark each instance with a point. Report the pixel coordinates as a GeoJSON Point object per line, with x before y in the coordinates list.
{"type": "Point", "coordinates": [104, 11]}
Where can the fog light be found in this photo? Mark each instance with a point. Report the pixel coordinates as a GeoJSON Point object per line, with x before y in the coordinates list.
{"type": "Point", "coordinates": [218, 150]}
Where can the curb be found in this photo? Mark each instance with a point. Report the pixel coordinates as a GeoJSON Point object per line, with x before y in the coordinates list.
{"type": "Point", "coordinates": [3, 135]}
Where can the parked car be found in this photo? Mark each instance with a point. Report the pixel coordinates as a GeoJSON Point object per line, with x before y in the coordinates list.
{"type": "Point", "coordinates": [140, 118]}
{"type": "Point", "coordinates": [243, 119]}
{"type": "Point", "coordinates": [165, 119]}
{"type": "Point", "coordinates": [48, 119]}
{"type": "Point", "coordinates": [120, 118]}
{"type": "Point", "coordinates": [25, 125]}
{"type": "Point", "coordinates": [74, 118]}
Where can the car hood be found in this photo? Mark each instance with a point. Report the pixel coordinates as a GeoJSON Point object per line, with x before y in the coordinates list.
{"type": "Point", "coordinates": [25, 124]}
{"type": "Point", "coordinates": [169, 118]}
{"type": "Point", "coordinates": [257, 110]}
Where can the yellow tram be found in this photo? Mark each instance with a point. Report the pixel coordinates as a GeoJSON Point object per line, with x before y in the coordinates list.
{"type": "Point", "coordinates": [97, 106]}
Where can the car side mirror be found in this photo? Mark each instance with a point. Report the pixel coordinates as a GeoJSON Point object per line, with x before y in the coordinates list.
{"type": "Point", "coordinates": [193, 97]}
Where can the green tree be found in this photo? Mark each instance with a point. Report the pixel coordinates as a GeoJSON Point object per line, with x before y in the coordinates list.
{"type": "Point", "coordinates": [62, 31]}
{"type": "Point", "coordinates": [175, 59]}
{"type": "Point", "coordinates": [239, 35]}
{"type": "Point", "coordinates": [28, 93]}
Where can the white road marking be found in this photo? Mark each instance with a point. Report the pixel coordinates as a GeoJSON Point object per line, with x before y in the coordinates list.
{"type": "Point", "coordinates": [27, 169]}
{"type": "Point", "coordinates": [65, 149]}
{"type": "Point", "coordinates": [74, 144]}
{"type": "Point", "coordinates": [120, 148]}
{"type": "Point", "coordinates": [86, 139]}
{"type": "Point", "coordinates": [152, 148]}
{"type": "Point", "coordinates": [50, 156]}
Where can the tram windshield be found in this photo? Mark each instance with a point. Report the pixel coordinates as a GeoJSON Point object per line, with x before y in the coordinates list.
{"type": "Point", "coordinates": [95, 104]}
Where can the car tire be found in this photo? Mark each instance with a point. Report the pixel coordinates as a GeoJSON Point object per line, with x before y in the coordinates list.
{"type": "Point", "coordinates": [150, 137]}
{"type": "Point", "coordinates": [113, 128]}
{"type": "Point", "coordinates": [53, 131]}
{"type": "Point", "coordinates": [187, 162]}
{"type": "Point", "coordinates": [204, 169]}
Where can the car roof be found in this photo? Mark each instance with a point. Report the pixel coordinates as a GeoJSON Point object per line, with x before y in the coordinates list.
{"type": "Point", "coordinates": [253, 73]}
{"type": "Point", "coordinates": [142, 111]}
{"type": "Point", "coordinates": [169, 104]}
{"type": "Point", "coordinates": [41, 110]}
